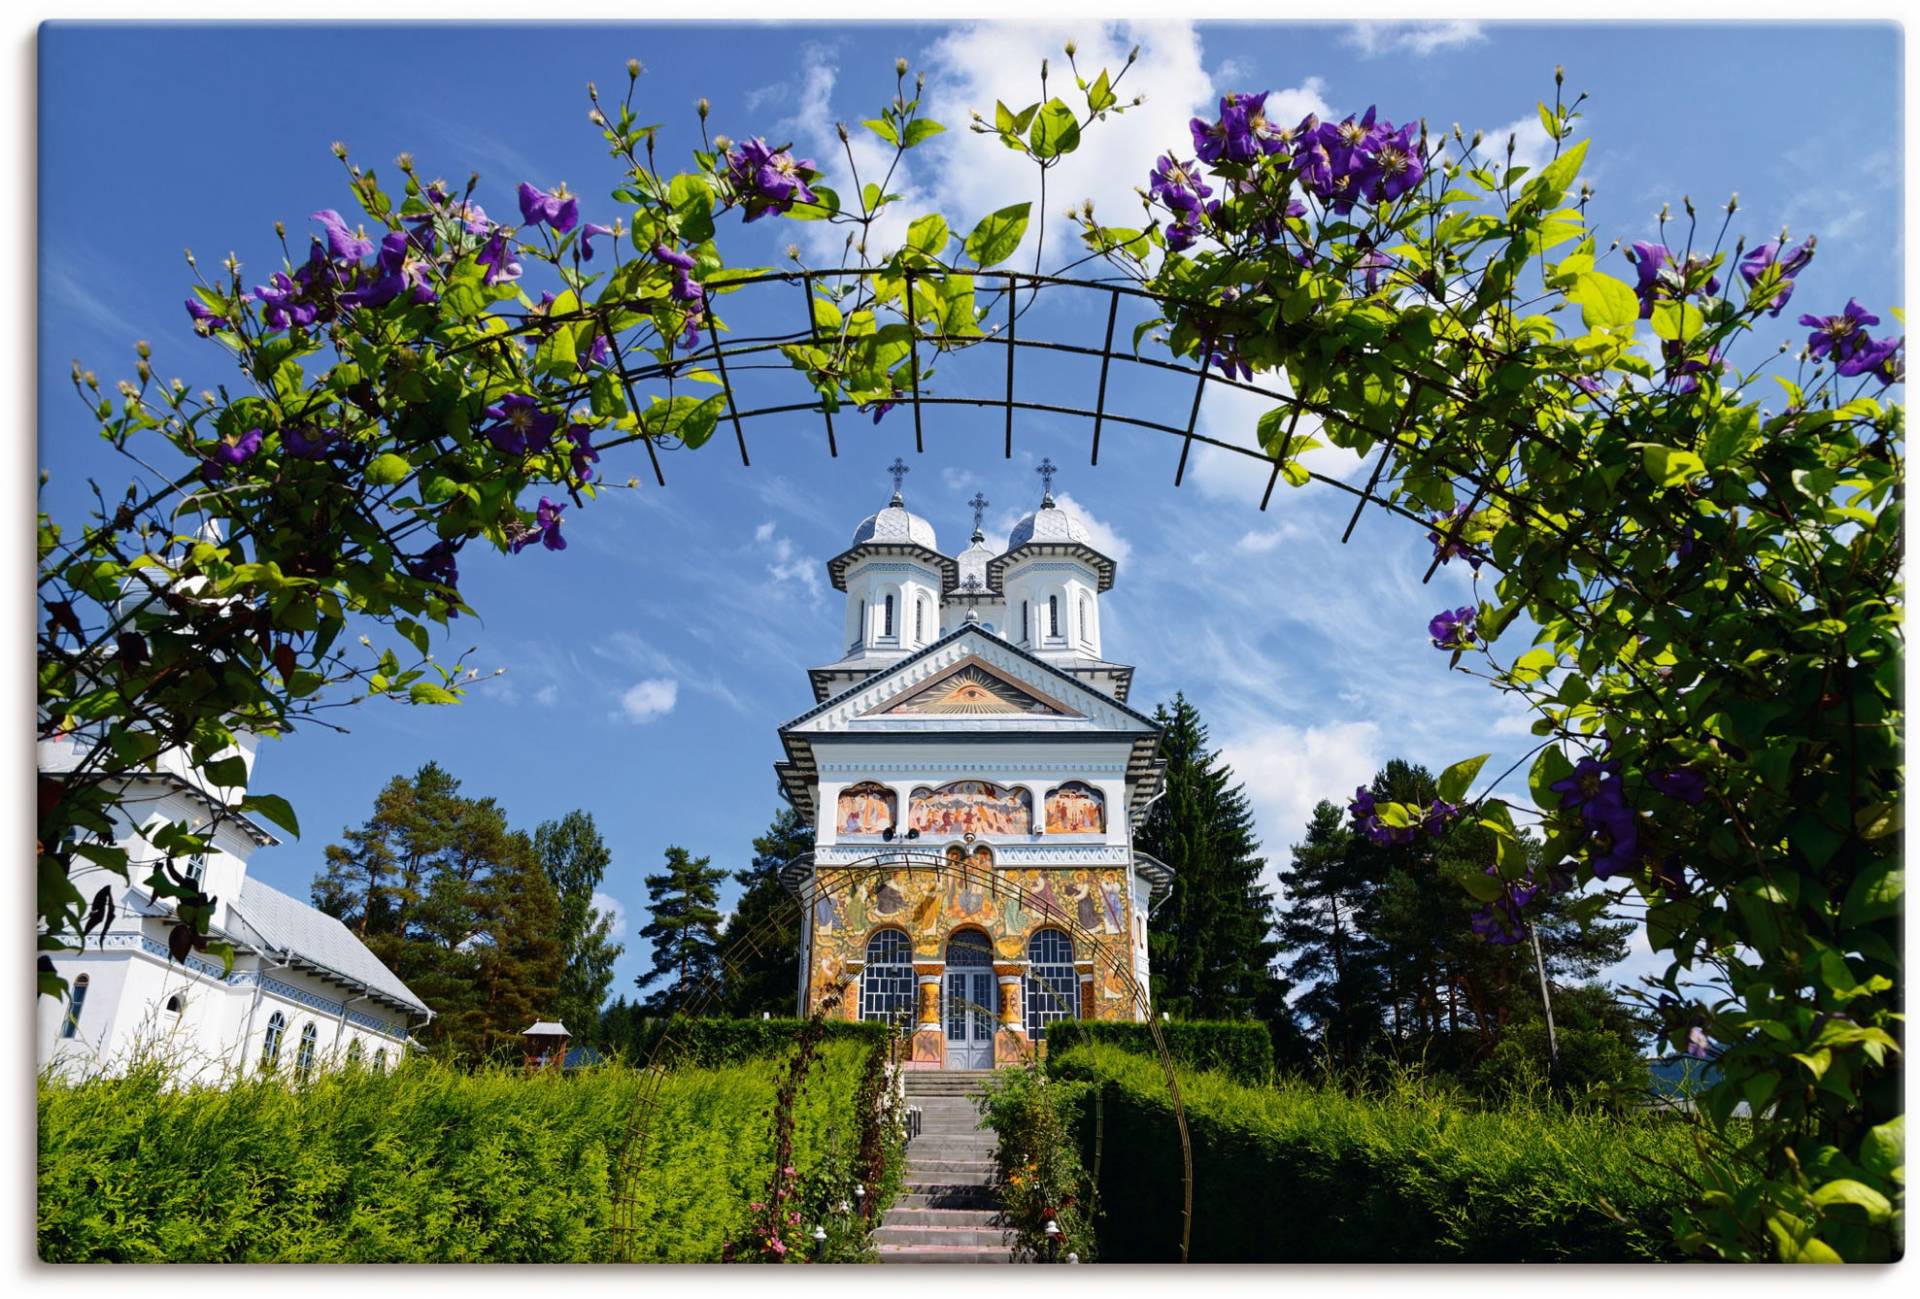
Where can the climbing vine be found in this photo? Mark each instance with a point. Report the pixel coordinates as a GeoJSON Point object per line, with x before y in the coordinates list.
{"type": "Point", "coordinates": [1697, 536]}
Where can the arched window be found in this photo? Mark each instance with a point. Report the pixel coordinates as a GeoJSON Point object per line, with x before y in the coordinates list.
{"type": "Point", "coordinates": [276, 1029]}
{"type": "Point", "coordinates": [303, 1059]}
{"type": "Point", "coordinates": [1053, 615]}
{"type": "Point", "coordinates": [72, 1023]}
{"type": "Point", "coordinates": [1052, 984]}
{"type": "Point", "coordinates": [888, 629]}
{"type": "Point", "coordinates": [195, 870]}
{"type": "Point", "coordinates": [175, 1004]}
{"type": "Point", "coordinates": [886, 985]}
{"type": "Point", "coordinates": [1026, 624]}
{"type": "Point", "coordinates": [861, 638]}
{"type": "Point", "coordinates": [1086, 620]}
{"type": "Point", "coordinates": [380, 1060]}
{"type": "Point", "coordinates": [919, 620]}
{"type": "Point", "coordinates": [354, 1052]}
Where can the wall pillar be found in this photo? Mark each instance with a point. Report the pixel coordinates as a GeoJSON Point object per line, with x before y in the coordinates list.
{"type": "Point", "coordinates": [929, 1033]}
{"type": "Point", "coordinates": [1085, 970]}
{"type": "Point", "coordinates": [1010, 1045]}
{"type": "Point", "coordinates": [850, 990]}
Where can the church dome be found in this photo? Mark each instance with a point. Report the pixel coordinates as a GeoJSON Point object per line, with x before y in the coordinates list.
{"type": "Point", "coordinates": [973, 564]}
{"type": "Point", "coordinates": [1049, 525]}
{"type": "Point", "coordinates": [895, 525]}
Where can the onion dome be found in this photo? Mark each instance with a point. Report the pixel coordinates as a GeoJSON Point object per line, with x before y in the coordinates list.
{"type": "Point", "coordinates": [1052, 530]}
{"type": "Point", "coordinates": [896, 525]}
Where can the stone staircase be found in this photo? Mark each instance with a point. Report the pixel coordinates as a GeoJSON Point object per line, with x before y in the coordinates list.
{"type": "Point", "coordinates": [946, 1212]}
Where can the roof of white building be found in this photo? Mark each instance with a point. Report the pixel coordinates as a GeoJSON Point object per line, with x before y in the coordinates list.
{"type": "Point", "coordinates": [1049, 525]}
{"type": "Point", "coordinates": [896, 523]}
{"type": "Point", "coordinates": [312, 938]}
{"type": "Point", "coordinates": [546, 1028]}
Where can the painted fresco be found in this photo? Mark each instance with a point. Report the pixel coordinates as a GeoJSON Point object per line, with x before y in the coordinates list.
{"type": "Point", "coordinates": [1088, 902]}
{"type": "Point", "coordinates": [865, 809]}
{"type": "Point", "coordinates": [1075, 808]}
{"type": "Point", "coordinates": [970, 807]}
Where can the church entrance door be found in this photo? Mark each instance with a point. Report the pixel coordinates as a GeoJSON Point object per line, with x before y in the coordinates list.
{"type": "Point", "coordinates": [973, 1001]}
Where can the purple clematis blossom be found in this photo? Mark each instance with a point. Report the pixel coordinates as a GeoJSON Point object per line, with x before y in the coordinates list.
{"type": "Point", "coordinates": [1697, 1042]}
{"type": "Point", "coordinates": [228, 455]}
{"type": "Point", "coordinates": [436, 564]}
{"type": "Point", "coordinates": [498, 258]}
{"type": "Point", "coordinates": [306, 443]}
{"type": "Point", "coordinates": [205, 320]}
{"type": "Point", "coordinates": [1683, 783]}
{"type": "Point", "coordinates": [1841, 335]}
{"type": "Point", "coordinates": [558, 209]}
{"type": "Point", "coordinates": [1178, 184]}
{"type": "Point", "coordinates": [1684, 377]}
{"type": "Point", "coordinates": [685, 287]}
{"type": "Point", "coordinates": [1452, 629]}
{"type": "Point", "coordinates": [396, 271]}
{"type": "Point", "coordinates": [1790, 264]}
{"type": "Point", "coordinates": [520, 426]}
{"type": "Point", "coordinates": [1893, 369]}
{"type": "Point", "coordinates": [342, 243]}
{"type": "Point", "coordinates": [768, 180]}
{"type": "Point", "coordinates": [1392, 167]}
{"type": "Point", "coordinates": [587, 234]}
{"type": "Point", "coordinates": [1376, 264]}
{"type": "Point", "coordinates": [1613, 844]}
{"type": "Point", "coordinates": [1868, 357]}
{"type": "Point", "coordinates": [580, 451]}
{"type": "Point", "coordinates": [1649, 259]}
{"type": "Point", "coordinates": [1445, 550]}
{"type": "Point", "coordinates": [546, 529]}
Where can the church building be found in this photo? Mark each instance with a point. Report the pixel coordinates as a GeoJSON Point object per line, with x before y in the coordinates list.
{"type": "Point", "coordinates": [972, 721]}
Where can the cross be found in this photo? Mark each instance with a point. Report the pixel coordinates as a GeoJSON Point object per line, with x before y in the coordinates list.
{"type": "Point", "coordinates": [1046, 472]}
{"type": "Point", "coordinates": [899, 469]}
{"type": "Point", "coordinates": [979, 504]}
{"type": "Point", "coordinates": [972, 587]}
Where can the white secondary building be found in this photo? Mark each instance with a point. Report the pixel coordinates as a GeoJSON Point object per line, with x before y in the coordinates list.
{"type": "Point", "coordinates": [304, 993]}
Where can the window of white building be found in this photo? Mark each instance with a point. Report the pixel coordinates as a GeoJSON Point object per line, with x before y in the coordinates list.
{"type": "Point", "coordinates": [79, 1000]}
{"type": "Point", "coordinates": [270, 1049]}
{"type": "Point", "coordinates": [886, 985]}
{"type": "Point", "coordinates": [303, 1059]}
{"type": "Point", "coordinates": [1052, 984]}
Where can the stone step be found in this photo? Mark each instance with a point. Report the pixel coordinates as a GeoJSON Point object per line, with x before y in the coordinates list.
{"type": "Point", "coordinates": [946, 1198]}
{"type": "Point", "coordinates": [919, 1166]}
{"type": "Point", "coordinates": [905, 1217]}
{"type": "Point", "coordinates": [978, 1237]}
{"type": "Point", "coordinates": [943, 1254]}
{"type": "Point", "coordinates": [918, 1179]}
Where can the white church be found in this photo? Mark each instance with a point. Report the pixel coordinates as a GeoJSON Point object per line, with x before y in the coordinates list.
{"type": "Point", "coordinates": [304, 993]}
{"type": "Point", "coordinates": [971, 722]}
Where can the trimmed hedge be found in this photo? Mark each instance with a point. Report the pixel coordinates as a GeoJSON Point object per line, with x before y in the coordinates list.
{"type": "Point", "coordinates": [712, 1043]}
{"type": "Point", "coordinates": [1295, 1174]}
{"type": "Point", "coordinates": [424, 1164]}
{"type": "Point", "coordinates": [1241, 1049]}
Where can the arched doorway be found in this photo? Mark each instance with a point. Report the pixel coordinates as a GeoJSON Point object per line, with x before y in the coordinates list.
{"type": "Point", "coordinates": [972, 1001]}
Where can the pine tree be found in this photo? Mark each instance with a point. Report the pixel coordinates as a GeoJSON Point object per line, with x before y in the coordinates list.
{"type": "Point", "coordinates": [684, 930]}
{"type": "Point", "coordinates": [575, 859]}
{"type": "Point", "coordinates": [1211, 943]}
{"type": "Point", "coordinates": [765, 979]}
{"type": "Point", "coordinates": [1328, 951]}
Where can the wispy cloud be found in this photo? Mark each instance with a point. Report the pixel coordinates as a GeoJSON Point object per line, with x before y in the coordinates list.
{"type": "Point", "coordinates": [1419, 39]}
{"type": "Point", "coordinates": [610, 906]}
{"type": "Point", "coordinates": [644, 701]}
{"type": "Point", "coordinates": [64, 288]}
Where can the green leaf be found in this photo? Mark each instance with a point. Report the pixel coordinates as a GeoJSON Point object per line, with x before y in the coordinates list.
{"type": "Point", "coordinates": [1679, 321]}
{"type": "Point", "coordinates": [1883, 1151]}
{"type": "Point", "coordinates": [1845, 1190]}
{"type": "Point", "coordinates": [388, 469]}
{"type": "Point", "coordinates": [1056, 132]}
{"type": "Point", "coordinates": [826, 202]}
{"type": "Point", "coordinates": [1550, 768]}
{"type": "Point", "coordinates": [1604, 302]}
{"type": "Point", "coordinates": [1483, 887]}
{"type": "Point", "coordinates": [1670, 466]}
{"type": "Point", "coordinates": [883, 129]}
{"type": "Point", "coordinates": [425, 692]}
{"type": "Point", "coordinates": [921, 128]}
{"type": "Point", "coordinates": [998, 235]}
{"type": "Point", "coordinates": [1549, 122]}
{"type": "Point", "coordinates": [228, 772]}
{"type": "Point", "coordinates": [1457, 779]}
{"type": "Point", "coordinates": [275, 808]}
{"type": "Point", "coordinates": [928, 234]}
{"type": "Point", "coordinates": [1100, 96]}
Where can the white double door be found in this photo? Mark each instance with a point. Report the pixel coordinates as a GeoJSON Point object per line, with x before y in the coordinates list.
{"type": "Point", "coordinates": [971, 1004]}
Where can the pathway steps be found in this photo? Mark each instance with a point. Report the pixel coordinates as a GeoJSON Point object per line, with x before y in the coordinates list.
{"type": "Point", "coordinates": [947, 1211]}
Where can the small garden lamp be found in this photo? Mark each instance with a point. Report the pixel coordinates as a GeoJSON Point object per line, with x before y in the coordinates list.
{"type": "Point", "coordinates": [819, 1243]}
{"type": "Point", "coordinates": [1073, 1258]}
{"type": "Point", "coordinates": [1053, 1241]}
{"type": "Point", "coordinates": [860, 1198]}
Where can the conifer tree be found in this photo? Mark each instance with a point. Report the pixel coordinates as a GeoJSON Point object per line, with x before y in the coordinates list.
{"type": "Point", "coordinates": [1329, 954]}
{"type": "Point", "coordinates": [766, 980]}
{"type": "Point", "coordinates": [575, 859]}
{"type": "Point", "coordinates": [684, 928]}
{"type": "Point", "coordinates": [1211, 943]}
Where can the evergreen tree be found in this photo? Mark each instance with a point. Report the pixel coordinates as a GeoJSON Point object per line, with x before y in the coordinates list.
{"type": "Point", "coordinates": [764, 978]}
{"type": "Point", "coordinates": [1335, 960]}
{"type": "Point", "coordinates": [684, 929]}
{"type": "Point", "coordinates": [1211, 943]}
{"type": "Point", "coordinates": [575, 859]}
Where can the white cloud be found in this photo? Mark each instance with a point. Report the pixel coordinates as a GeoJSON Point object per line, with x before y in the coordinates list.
{"type": "Point", "coordinates": [788, 567]}
{"type": "Point", "coordinates": [646, 700]}
{"type": "Point", "coordinates": [547, 696]}
{"type": "Point", "coordinates": [608, 905]}
{"type": "Point", "coordinates": [1259, 542]}
{"type": "Point", "coordinates": [764, 533]}
{"type": "Point", "coordinates": [1106, 539]}
{"type": "Point", "coordinates": [1532, 146]}
{"type": "Point", "coordinates": [1232, 415]}
{"type": "Point", "coordinates": [1287, 769]}
{"type": "Point", "coordinates": [1419, 39]}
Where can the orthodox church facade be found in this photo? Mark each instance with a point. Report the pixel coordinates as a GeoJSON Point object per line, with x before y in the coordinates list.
{"type": "Point", "coordinates": [303, 994]}
{"type": "Point", "coordinates": [972, 721]}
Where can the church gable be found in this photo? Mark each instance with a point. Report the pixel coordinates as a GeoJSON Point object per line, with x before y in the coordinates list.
{"type": "Point", "coordinates": [971, 688]}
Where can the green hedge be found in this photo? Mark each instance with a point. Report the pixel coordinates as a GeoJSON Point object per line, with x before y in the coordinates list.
{"type": "Point", "coordinates": [1295, 1174]}
{"type": "Point", "coordinates": [424, 1164]}
{"type": "Point", "coordinates": [1241, 1049]}
{"type": "Point", "coordinates": [711, 1043]}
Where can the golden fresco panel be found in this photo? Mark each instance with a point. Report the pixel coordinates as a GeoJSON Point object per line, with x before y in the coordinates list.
{"type": "Point", "coordinates": [970, 807]}
{"type": "Point", "coordinates": [1075, 808]}
{"type": "Point", "coordinates": [866, 808]}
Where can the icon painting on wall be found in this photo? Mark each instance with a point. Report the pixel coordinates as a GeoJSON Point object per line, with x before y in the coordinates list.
{"type": "Point", "coordinates": [866, 808]}
{"type": "Point", "coordinates": [1075, 808]}
{"type": "Point", "coordinates": [970, 807]}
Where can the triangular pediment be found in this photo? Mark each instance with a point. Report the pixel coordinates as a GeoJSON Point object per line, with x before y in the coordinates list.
{"type": "Point", "coordinates": [970, 688]}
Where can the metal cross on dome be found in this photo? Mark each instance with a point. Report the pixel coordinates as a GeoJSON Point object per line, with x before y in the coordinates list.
{"type": "Point", "coordinates": [973, 590]}
{"type": "Point", "coordinates": [1046, 470]}
{"type": "Point", "coordinates": [899, 469]}
{"type": "Point", "coordinates": [979, 504]}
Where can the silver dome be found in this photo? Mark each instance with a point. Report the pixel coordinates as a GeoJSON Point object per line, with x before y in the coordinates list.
{"type": "Point", "coordinates": [896, 525]}
{"type": "Point", "coordinates": [1049, 525]}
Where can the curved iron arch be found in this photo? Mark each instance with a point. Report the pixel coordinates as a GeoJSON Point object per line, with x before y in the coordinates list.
{"type": "Point", "coordinates": [808, 884]}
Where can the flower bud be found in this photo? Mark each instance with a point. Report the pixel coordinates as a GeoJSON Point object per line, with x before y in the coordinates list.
{"type": "Point", "coordinates": [633, 68]}
{"type": "Point", "coordinates": [1733, 203]}
{"type": "Point", "coordinates": [900, 67]}
{"type": "Point", "coordinates": [1478, 136]}
{"type": "Point", "coordinates": [1072, 49]}
{"type": "Point", "coordinates": [793, 252]}
{"type": "Point", "coordinates": [189, 253]}
{"type": "Point", "coordinates": [1559, 74]}
{"type": "Point", "coordinates": [1043, 71]}
{"type": "Point", "coordinates": [404, 162]}
{"type": "Point", "coordinates": [143, 348]}
{"type": "Point", "coordinates": [339, 149]}
{"type": "Point", "coordinates": [593, 91]}
{"type": "Point", "coordinates": [597, 117]}
{"type": "Point", "coordinates": [703, 108]}
{"type": "Point", "coordinates": [1133, 54]}
{"type": "Point", "coordinates": [841, 127]}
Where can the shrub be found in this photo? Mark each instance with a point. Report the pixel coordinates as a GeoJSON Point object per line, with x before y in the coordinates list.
{"type": "Point", "coordinates": [1293, 1173]}
{"type": "Point", "coordinates": [1037, 1170]}
{"type": "Point", "coordinates": [1240, 1048]}
{"type": "Point", "coordinates": [425, 1164]}
{"type": "Point", "coordinates": [713, 1043]}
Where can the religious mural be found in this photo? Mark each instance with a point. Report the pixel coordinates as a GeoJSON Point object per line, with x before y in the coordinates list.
{"type": "Point", "coordinates": [971, 689]}
{"type": "Point", "coordinates": [970, 807]}
{"type": "Point", "coordinates": [866, 808]}
{"type": "Point", "coordinates": [1075, 808]}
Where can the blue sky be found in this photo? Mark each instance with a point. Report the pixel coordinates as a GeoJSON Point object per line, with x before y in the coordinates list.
{"type": "Point", "coordinates": [649, 664]}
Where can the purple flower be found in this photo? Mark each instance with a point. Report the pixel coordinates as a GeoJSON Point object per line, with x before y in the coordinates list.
{"type": "Point", "coordinates": [1869, 356]}
{"type": "Point", "coordinates": [685, 287]}
{"type": "Point", "coordinates": [1839, 335]}
{"type": "Point", "coordinates": [1683, 376]}
{"type": "Point", "coordinates": [1231, 363]}
{"type": "Point", "coordinates": [1893, 369]}
{"type": "Point", "coordinates": [1445, 550]}
{"type": "Point", "coordinates": [1648, 260]}
{"type": "Point", "coordinates": [1593, 781]}
{"type": "Point", "coordinates": [1670, 878]}
{"type": "Point", "coordinates": [1588, 384]}
{"type": "Point", "coordinates": [1375, 264]}
{"type": "Point", "coordinates": [396, 271]}
{"type": "Point", "coordinates": [205, 321]}
{"type": "Point", "coordinates": [1452, 629]}
{"type": "Point", "coordinates": [1493, 925]}
{"type": "Point", "coordinates": [227, 455]}
{"type": "Point", "coordinates": [436, 564]}
{"type": "Point", "coordinates": [1439, 815]}
{"type": "Point", "coordinates": [1613, 843]}
{"type": "Point", "coordinates": [1178, 185]}
{"type": "Point", "coordinates": [546, 529]}
{"type": "Point", "coordinates": [342, 243]}
{"type": "Point", "coordinates": [581, 452]}
{"type": "Point", "coordinates": [1683, 783]}
{"type": "Point", "coordinates": [768, 180]}
{"type": "Point", "coordinates": [1790, 264]}
{"type": "Point", "coordinates": [306, 443]}
{"type": "Point", "coordinates": [587, 232]}
{"type": "Point", "coordinates": [497, 257]}
{"type": "Point", "coordinates": [1392, 166]}
{"type": "Point", "coordinates": [598, 352]}
{"type": "Point", "coordinates": [1697, 1042]}
{"type": "Point", "coordinates": [520, 425]}
{"type": "Point", "coordinates": [558, 209]}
